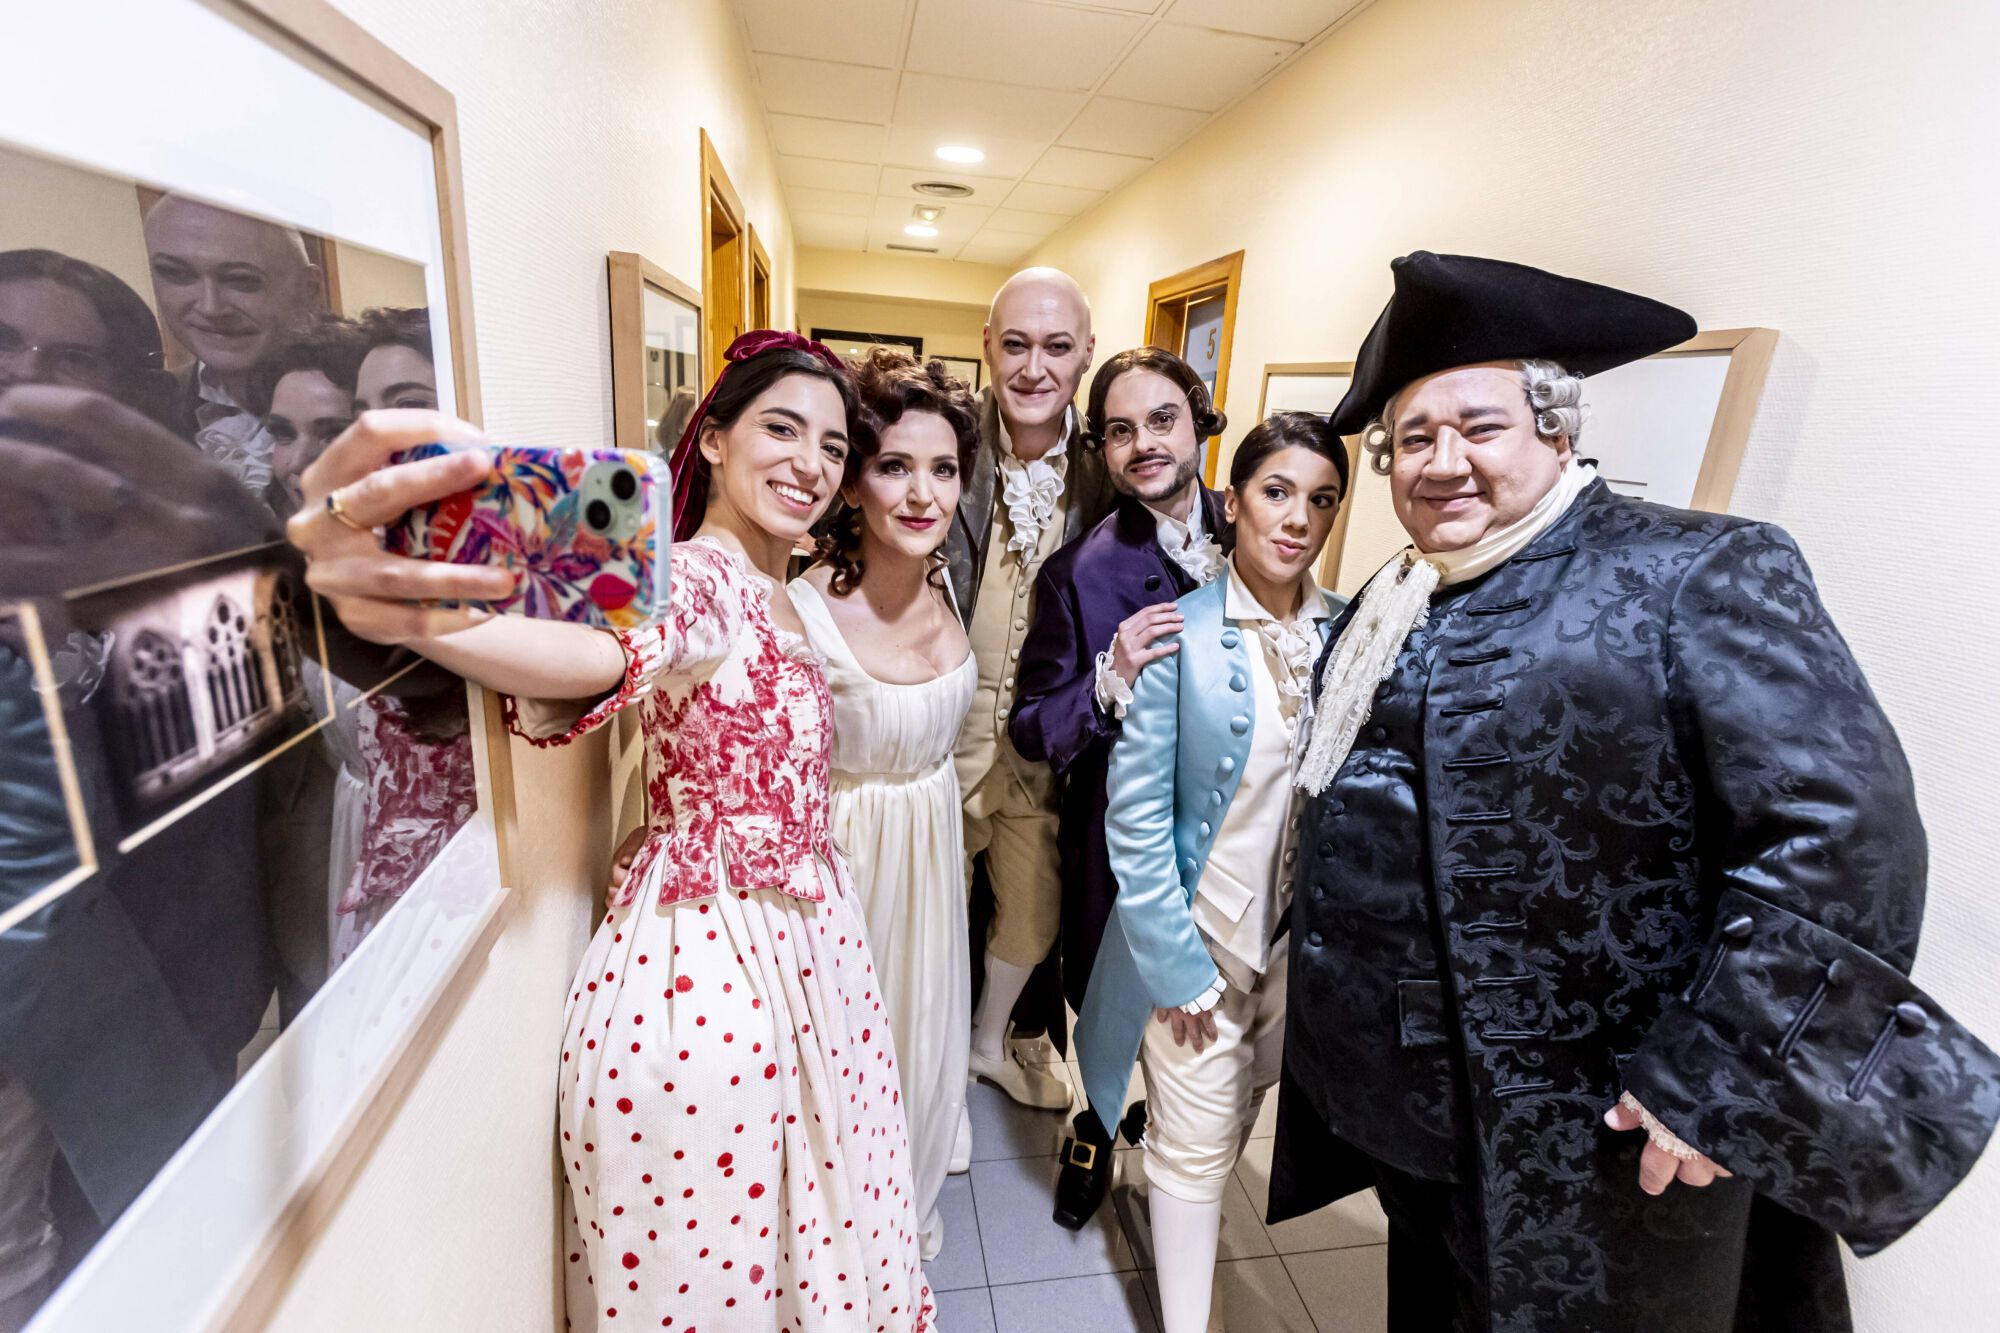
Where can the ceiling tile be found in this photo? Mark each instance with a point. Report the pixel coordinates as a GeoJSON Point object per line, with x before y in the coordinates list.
{"type": "Point", "coordinates": [1006, 159]}
{"type": "Point", "coordinates": [859, 32]}
{"type": "Point", "coordinates": [1026, 224]}
{"type": "Point", "coordinates": [1293, 20]}
{"type": "Point", "coordinates": [829, 233]}
{"type": "Point", "coordinates": [843, 202]}
{"type": "Point", "coordinates": [1017, 41]}
{"type": "Point", "coordinates": [1134, 128]}
{"type": "Point", "coordinates": [956, 223]}
{"type": "Point", "coordinates": [813, 173]}
{"type": "Point", "coordinates": [838, 140]}
{"type": "Point", "coordinates": [1085, 170]}
{"type": "Point", "coordinates": [998, 248]}
{"type": "Point", "coordinates": [897, 182]}
{"type": "Point", "coordinates": [963, 106]}
{"type": "Point", "coordinates": [819, 87]}
{"type": "Point", "coordinates": [1039, 198]}
{"type": "Point", "coordinates": [1196, 68]}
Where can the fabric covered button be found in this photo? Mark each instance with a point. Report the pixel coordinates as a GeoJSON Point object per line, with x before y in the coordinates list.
{"type": "Point", "coordinates": [1291, 856]}
{"type": "Point", "coordinates": [1204, 828]}
{"type": "Point", "coordinates": [1378, 734]}
{"type": "Point", "coordinates": [1008, 683]}
{"type": "Point", "coordinates": [1020, 622]}
{"type": "Point", "coordinates": [1152, 583]}
{"type": "Point", "coordinates": [1230, 638]}
{"type": "Point", "coordinates": [1737, 930]}
{"type": "Point", "coordinates": [1335, 809]}
{"type": "Point", "coordinates": [1228, 765]}
{"type": "Point", "coordinates": [1239, 724]}
{"type": "Point", "coordinates": [1326, 851]}
{"type": "Point", "coordinates": [1215, 798]}
{"type": "Point", "coordinates": [1002, 712]}
{"type": "Point", "coordinates": [1239, 682]}
{"type": "Point", "coordinates": [1838, 973]}
{"type": "Point", "coordinates": [1192, 865]}
{"type": "Point", "coordinates": [1313, 938]}
{"type": "Point", "coordinates": [1910, 1017]}
{"type": "Point", "coordinates": [1318, 893]}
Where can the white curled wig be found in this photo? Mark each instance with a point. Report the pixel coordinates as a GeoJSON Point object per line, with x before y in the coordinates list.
{"type": "Point", "coordinates": [1555, 395]}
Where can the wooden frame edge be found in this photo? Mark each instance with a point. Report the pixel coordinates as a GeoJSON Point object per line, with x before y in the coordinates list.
{"type": "Point", "coordinates": [758, 259]}
{"type": "Point", "coordinates": [1750, 353]}
{"type": "Point", "coordinates": [717, 187]}
{"type": "Point", "coordinates": [629, 274]}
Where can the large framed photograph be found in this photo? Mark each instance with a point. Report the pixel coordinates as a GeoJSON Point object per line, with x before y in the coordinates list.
{"type": "Point", "coordinates": [246, 854]}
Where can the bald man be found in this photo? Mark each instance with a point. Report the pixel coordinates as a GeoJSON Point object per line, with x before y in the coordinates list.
{"type": "Point", "coordinates": [231, 289]}
{"type": "Point", "coordinates": [1032, 488]}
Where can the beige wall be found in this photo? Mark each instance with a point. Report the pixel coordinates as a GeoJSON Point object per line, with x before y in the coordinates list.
{"type": "Point", "coordinates": [1821, 168]}
{"type": "Point", "coordinates": [898, 277]}
{"type": "Point", "coordinates": [947, 330]}
{"type": "Point", "coordinates": [580, 136]}
{"type": "Point", "coordinates": [53, 206]}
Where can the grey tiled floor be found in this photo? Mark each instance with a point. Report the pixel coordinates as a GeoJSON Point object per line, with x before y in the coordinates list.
{"type": "Point", "coordinates": [1007, 1268]}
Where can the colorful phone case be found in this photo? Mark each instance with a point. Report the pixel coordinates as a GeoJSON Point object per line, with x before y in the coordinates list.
{"type": "Point", "coordinates": [587, 551]}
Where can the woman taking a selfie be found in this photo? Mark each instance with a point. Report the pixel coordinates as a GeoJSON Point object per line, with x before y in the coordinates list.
{"type": "Point", "coordinates": [1200, 828]}
{"type": "Point", "coordinates": [731, 1127]}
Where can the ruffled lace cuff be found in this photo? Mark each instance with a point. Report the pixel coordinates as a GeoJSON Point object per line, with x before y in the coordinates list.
{"type": "Point", "coordinates": [1663, 1138]}
{"type": "Point", "coordinates": [550, 722]}
{"type": "Point", "coordinates": [1208, 999]}
{"type": "Point", "coordinates": [1113, 695]}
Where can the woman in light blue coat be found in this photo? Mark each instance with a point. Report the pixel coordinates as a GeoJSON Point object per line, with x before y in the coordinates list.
{"type": "Point", "coordinates": [1200, 828]}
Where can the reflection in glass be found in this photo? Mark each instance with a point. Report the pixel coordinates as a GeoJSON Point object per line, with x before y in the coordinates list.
{"type": "Point", "coordinates": [673, 370]}
{"type": "Point", "coordinates": [246, 789]}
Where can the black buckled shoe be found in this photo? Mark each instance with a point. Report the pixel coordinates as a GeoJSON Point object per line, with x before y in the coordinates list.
{"type": "Point", "coordinates": [1086, 1171]}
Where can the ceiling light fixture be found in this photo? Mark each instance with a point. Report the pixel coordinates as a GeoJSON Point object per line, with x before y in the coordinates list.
{"type": "Point", "coordinates": [920, 229]}
{"type": "Point", "coordinates": [962, 155]}
{"type": "Point", "coordinates": [927, 212]}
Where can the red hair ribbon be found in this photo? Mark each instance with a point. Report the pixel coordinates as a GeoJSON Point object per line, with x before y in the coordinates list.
{"type": "Point", "coordinates": [687, 467]}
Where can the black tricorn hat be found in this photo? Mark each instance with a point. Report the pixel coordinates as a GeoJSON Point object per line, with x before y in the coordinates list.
{"type": "Point", "coordinates": [1456, 310]}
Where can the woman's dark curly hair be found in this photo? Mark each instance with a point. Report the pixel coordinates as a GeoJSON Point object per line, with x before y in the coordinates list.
{"type": "Point", "coordinates": [891, 385]}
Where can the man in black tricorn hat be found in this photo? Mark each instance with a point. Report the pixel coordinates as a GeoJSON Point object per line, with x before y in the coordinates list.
{"type": "Point", "coordinates": [1612, 873]}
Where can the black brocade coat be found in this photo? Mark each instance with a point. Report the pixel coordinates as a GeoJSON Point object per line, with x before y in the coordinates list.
{"type": "Point", "coordinates": [1626, 814]}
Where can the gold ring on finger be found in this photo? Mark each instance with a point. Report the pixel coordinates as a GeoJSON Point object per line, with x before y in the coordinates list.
{"type": "Point", "coordinates": [339, 511]}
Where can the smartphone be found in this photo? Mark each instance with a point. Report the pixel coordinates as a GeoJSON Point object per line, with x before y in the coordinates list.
{"type": "Point", "coordinates": [584, 528]}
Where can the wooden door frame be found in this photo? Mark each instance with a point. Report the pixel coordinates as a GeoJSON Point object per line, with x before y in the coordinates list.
{"type": "Point", "coordinates": [759, 263]}
{"type": "Point", "coordinates": [717, 191]}
{"type": "Point", "coordinates": [1227, 273]}
{"type": "Point", "coordinates": [630, 275]}
{"type": "Point", "coordinates": [1329, 556]}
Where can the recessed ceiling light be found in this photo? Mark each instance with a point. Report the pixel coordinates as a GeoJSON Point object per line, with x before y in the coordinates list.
{"type": "Point", "coordinates": [919, 229]}
{"type": "Point", "coordinates": [927, 212]}
{"type": "Point", "coordinates": [960, 154]}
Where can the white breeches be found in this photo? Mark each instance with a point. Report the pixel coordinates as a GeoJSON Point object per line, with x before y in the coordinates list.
{"type": "Point", "coordinates": [1200, 1108]}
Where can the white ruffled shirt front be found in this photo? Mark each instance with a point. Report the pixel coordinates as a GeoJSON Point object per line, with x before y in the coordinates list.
{"type": "Point", "coordinates": [232, 435]}
{"type": "Point", "coordinates": [1031, 491]}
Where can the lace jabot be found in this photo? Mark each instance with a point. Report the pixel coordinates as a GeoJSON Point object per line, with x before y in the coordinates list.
{"type": "Point", "coordinates": [1031, 491]}
{"type": "Point", "coordinates": [1189, 544]}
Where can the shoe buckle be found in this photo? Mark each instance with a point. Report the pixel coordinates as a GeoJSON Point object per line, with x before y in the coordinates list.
{"type": "Point", "coordinates": [1080, 1154]}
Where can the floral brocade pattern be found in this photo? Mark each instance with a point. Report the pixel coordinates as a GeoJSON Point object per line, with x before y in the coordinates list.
{"type": "Point", "coordinates": [420, 792]}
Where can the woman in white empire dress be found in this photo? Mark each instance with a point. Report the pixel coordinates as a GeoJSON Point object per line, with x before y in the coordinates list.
{"type": "Point", "coordinates": [902, 676]}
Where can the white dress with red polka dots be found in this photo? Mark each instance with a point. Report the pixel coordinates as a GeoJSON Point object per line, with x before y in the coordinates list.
{"type": "Point", "coordinates": [732, 1131]}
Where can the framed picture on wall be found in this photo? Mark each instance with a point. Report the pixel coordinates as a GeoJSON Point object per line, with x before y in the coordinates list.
{"type": "Point", "coordinates": [656, 368]}
{"type": "Point", "coordinates": [263, 850]}
{"type": "Point", "coordinates": [852, 345]}
{"type": "Point", "coordinates": [968, 368]}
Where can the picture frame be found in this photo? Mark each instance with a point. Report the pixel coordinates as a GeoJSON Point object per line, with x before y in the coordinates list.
{"type": "Point", "coordinates": [197, 1243]}
{"type": "Point", "coordinates": [971, 369]}
{"type": "Point", "coordinates": [852, 344]}
{"type": "Point", "coordinates": [656, 351]}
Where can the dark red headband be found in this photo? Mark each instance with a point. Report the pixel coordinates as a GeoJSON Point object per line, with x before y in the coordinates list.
{"type": "Point", "coordinates": [687, 467]}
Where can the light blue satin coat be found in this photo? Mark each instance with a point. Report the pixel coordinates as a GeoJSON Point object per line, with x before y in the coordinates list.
{"type": "Point", "coordinates": [1174, 773]}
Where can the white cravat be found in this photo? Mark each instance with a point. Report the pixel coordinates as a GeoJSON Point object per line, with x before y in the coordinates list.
{"type": "Point", "coordinates": [1188, 544]}
{"type": "Point", "coordinates": [232, 435]}
{"type": "Point", "coordinates": [1393, 604]}
{"type": "Point", "coordinates": [1293, 642]}
{"type": "Point", "coordinates": [1031, 491]}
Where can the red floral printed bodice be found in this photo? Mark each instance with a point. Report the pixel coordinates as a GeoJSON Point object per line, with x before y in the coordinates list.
{"type": "Point", "coordinates": [738, 729]}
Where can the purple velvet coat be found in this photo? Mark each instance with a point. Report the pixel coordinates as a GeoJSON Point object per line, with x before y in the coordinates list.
{"type": "Point", "coordinates": [1084, 592]}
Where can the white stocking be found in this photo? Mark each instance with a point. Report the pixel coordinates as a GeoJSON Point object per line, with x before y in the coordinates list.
{"type": "Point", "coordinates": [1184, 1239]}
{"type": "Point", "coordinates": [1004, 984]}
